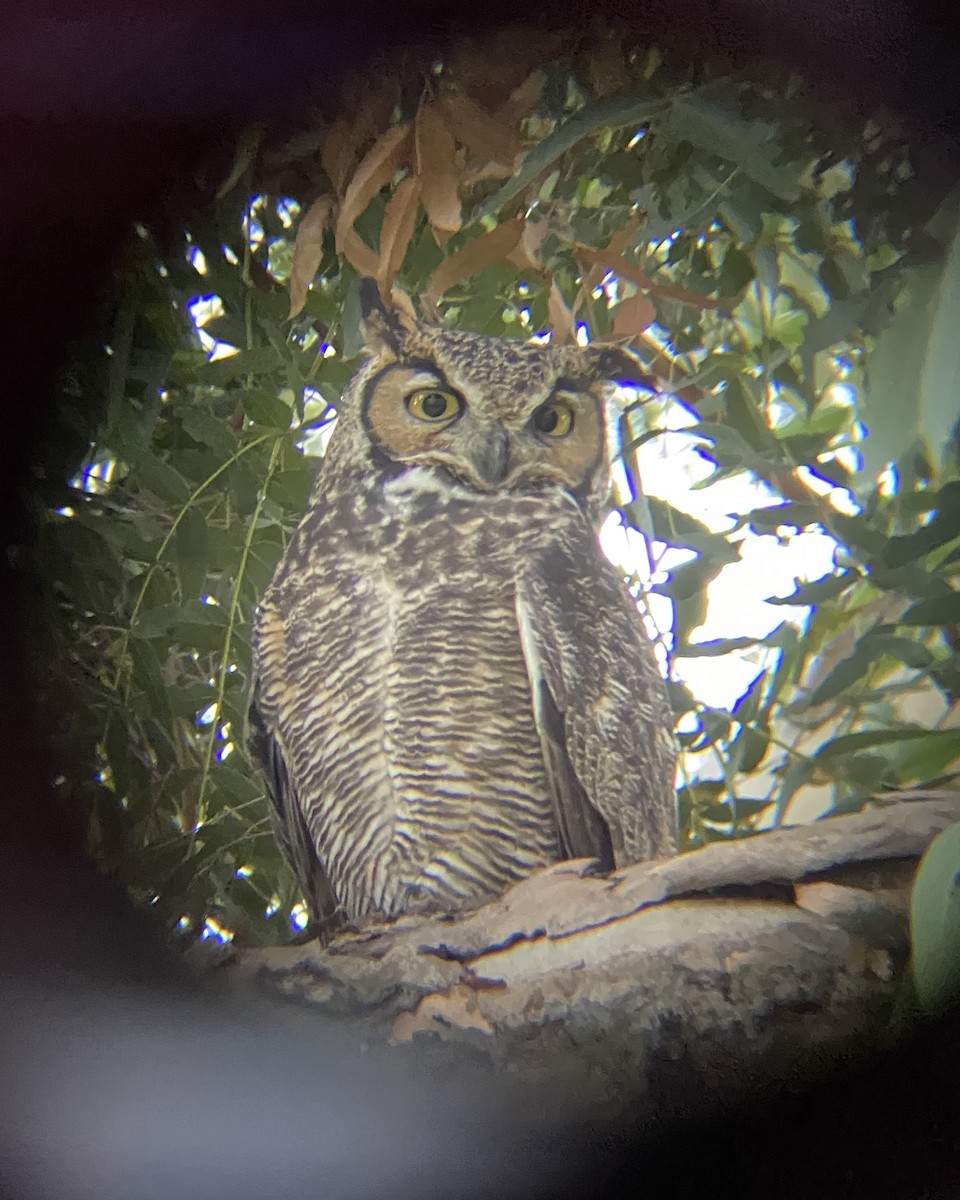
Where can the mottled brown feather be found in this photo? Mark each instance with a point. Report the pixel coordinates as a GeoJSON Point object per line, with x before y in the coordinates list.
{"type": "Point", "coordinates": [453, 687]}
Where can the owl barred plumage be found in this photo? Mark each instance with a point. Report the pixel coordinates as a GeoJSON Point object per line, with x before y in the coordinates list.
{"type": "Point", "coordinates": [452, 685]}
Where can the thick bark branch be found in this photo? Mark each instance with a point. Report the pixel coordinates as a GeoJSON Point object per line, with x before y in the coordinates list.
{"type": "Point", "coordinates": [673, 983]}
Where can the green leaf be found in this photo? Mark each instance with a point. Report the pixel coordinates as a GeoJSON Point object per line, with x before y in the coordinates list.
{"type": "Point", "coordinates": [800, 277]}
{"type": "Point", "coordinates": [737, 272]}
{"type": "Point", "coordinates": [351, 320]}
{"type": "Point", "coordinates": [858, 533]}
{"type": "Point", "coordinates": [793, 777]}
{"type": "Point", "coordinates": [173, 619]}
{"type": "Point", "coordinates": [850, 743]}
{"type": "Point", "coordinates": [748, 751]}
{"type": "Point", "coordinates": [746, 708]}
{"type": "Point", "coordinates": [160, 478]}
{"type": "Point", "coordinates": [917, 356]}
{"type": "Point", "coordinates": [610, 113]}
{"type": "Point", "coordinates": [623, 167]}
{"type": "Point", "coordinates": [844, 675]}
{"type": "Point", "coordinates": [291, 490]}
{"type": "Point", "coordinates": [911, 581]}
{"type": "Point", "coordinates": [942, 528]}
{"type": "Point", "coordinates": [207, 429]}
{"type": "Point", "coordinates": [677, 528]}
{"type": "Point", "coordinates": [187, 700]}
{"type": "Point", "coordinates": [265, 408]}
{"type": "Point", "coordinates": [730, 446]}
{"type": "Point", "coordinates": [191, 552]}
{"type": "Point", "coordinates": [928, 757]}
{"type": "Point", "coordinates": [130, 776]}
{"type": "Point", "coordinates": [939, 398]}
{"type": "Point", "coordinates": [148, 676]}
{"type": "Point", "coordinates": [715, 647]}
{"type": "Point", "coordinates": [828, 587]}
{"type": "Point", "coordinates": [714, 727]}
{"type": "Point", "coordinates": [939, 610]}
{"type": "Point", "coordinates": [748, 145]}
{"type": "Point", "coordinates": [913, 654]}
{"type": "Point", "coordinates": [789, 513]}
{"type": "Point", "coordinates": [745, 807]}
{"type": "Point", "coordinates": [247, 362]}
{"type": "Point", "coordinates": [935, 923]}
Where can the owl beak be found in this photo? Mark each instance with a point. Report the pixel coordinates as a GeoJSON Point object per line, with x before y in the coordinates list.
{"type": "Point", "coordinates": [492, 457]}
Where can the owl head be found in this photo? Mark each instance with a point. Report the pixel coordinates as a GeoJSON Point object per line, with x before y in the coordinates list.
{"type": "Point", "coordinates": [489, 414]}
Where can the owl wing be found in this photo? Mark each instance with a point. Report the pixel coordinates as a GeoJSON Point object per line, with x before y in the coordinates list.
{"type": "Point", "coordinates": [286, 816]}
{"type": "Point", "coordinates": [600, 705]}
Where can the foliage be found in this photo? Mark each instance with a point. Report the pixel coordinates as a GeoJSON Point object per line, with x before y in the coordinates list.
{"type": "Point", "coordinates": [776, 289]}
{"type": "Point", "coordinates": [935, 924]}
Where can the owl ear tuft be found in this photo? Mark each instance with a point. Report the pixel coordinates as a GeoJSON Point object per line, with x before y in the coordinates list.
{"type": "Point", "coordinates": [611, 364]}
{"type": "Point", "coordinates": [384, 327]}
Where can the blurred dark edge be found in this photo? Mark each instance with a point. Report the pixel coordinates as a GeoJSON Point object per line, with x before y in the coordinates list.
{"type": "Point", "coordinates": [106, 114]}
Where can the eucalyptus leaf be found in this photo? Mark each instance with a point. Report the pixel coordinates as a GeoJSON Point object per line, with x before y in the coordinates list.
{"type": "Point", "coordinates": [191, 552]}
{"type": "Point", "coordinates": [939, 610]}
{"type": "Point", "coordinates": [916, 357]}
{"type": "Point", "coordinates": [851, 743]}
{"type": "Point", "coordinates": [935, 923]}
{"type": "Point", "coordinates": [841, 678]}
{"type": "Point", "coordinates": [221, 371]}
{"type": "Point", "coordinates": [751, 146]}
{"type": "Point", "coordinates": [161, 478]}
{"type": "Point", "coordinates": [611, 113]}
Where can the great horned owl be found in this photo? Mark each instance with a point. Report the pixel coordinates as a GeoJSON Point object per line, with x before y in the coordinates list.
{"type": "Point", "coordinates": [452, 685]}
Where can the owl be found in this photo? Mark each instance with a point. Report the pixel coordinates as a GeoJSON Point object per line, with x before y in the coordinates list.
{"type": "Point", "coordinates": [452, 686]}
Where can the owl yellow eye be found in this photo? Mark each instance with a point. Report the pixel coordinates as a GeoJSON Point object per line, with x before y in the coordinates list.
{"type": "Point", "coordinates": [554, 418]}
{"type": "Point", "coordinates": [432, 404]}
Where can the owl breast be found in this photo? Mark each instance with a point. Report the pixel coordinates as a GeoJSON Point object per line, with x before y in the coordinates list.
{"type": "Point", "coordinates": [421, 748]}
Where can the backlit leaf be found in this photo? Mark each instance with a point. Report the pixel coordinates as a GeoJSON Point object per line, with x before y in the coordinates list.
{"type": "Point", "coordinates": [308, 250]}
{"type": "Point", "coordinates": [390, 151]}
{"type": "Point", "coordinates": [633, 315]}
{"type": "Point", "coordinates": [436, 167]}
{"type": "Point", "coordinates": [398, 222]}
{"type": "Point", "coordinates": [490, 247]}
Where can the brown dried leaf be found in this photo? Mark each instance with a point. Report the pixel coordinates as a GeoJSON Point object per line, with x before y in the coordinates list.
{"type": "Point", "coordinates": [486, 137]}
{"type": "Point", "coordinates": [620, 241]}
{"type": "Point", "coordinates": [358, 254]}
{"type": "Point", "coordinates": [490, 247]}
{"type": "Point", "coordinates": [388, 153]}
{"type": "Point", "coordinates": [522, 100]}
{"type": "Point", "coordinates": [561, 318]}
{"type": "Point", "coordinates": [479, 174]}
{"type": "Point", "coordinates": [627, 270]}
{"type": "Point", "coordinates": [435, 152]}
{"type": "Point", "coordinates": [398, 222]}
{"type": "Point", "coordinates": [338, 154]}
{"type": "Point", "coordinates": [526, 254]}
{"type": "Point", "coordinates": [308, 250]}
{"type": "Point", "coordinates": [633, 315]}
